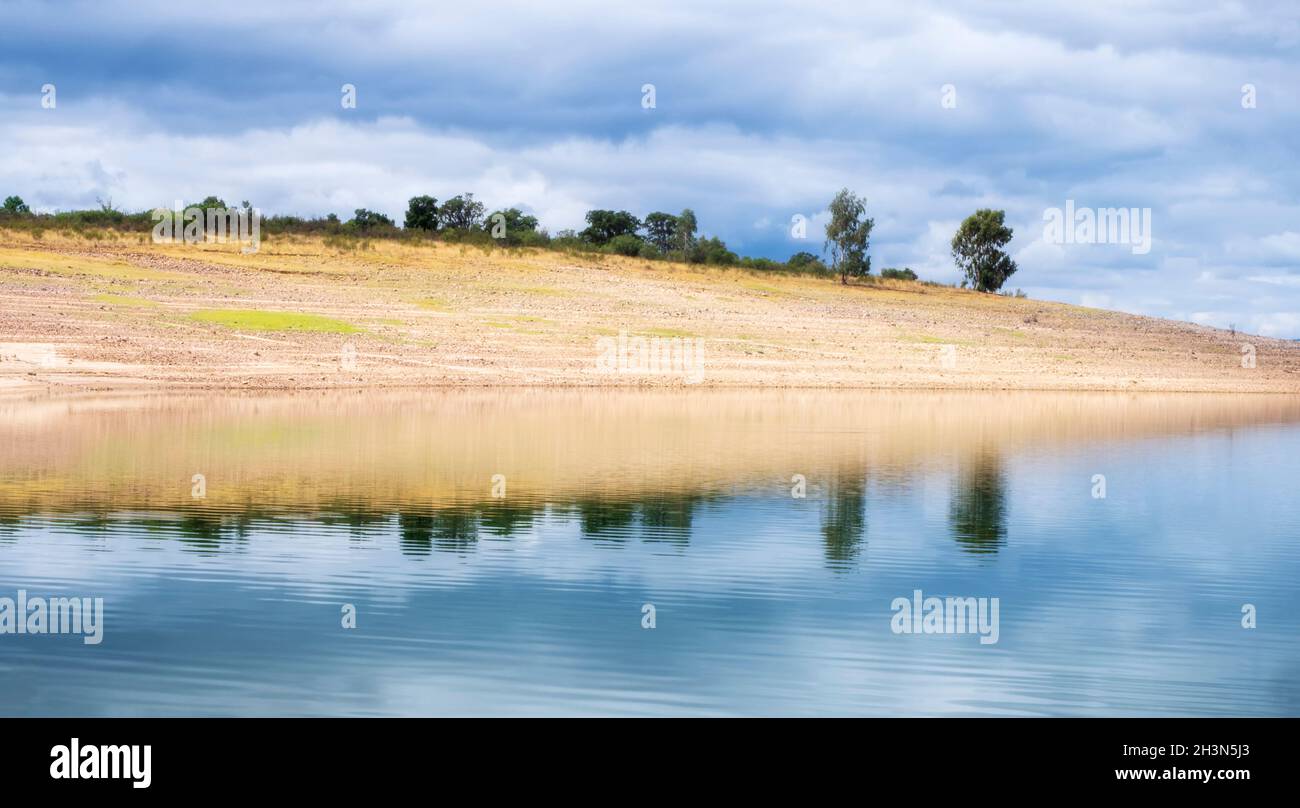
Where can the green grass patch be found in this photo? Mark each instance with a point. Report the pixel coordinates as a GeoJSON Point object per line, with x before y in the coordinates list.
{"type": "Point", "coordinates": [433, 304]}
{"type": "Point", "coordinates": [929, 339]}
{"type": "Point", "coordinates": [662, 332]}
{"type": "Point", "coordinates": [254, 320]}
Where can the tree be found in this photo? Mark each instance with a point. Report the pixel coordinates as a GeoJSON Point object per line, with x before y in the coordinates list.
{"type": "Point", "coordinates": [977, 249]}
{"type": "Point", "coordinates": [16, 205]}
{"type": "Point", "coordinates": [422, 213]}
{"type": "Point", "coordinates": [462, 213]}
{"type": "Point", "coordinates": [713, 251]}
{"type": "Point", "coordinates": [805, 262]}
{"type": "Point", "coordinates": [660, 228]}
{"type": "Point", "coordinates": [363, 221]}
{"type": "Point", "coordinates": [605, 225]}
{"type": "Point", "coordinates": [684, 233]}
{"type": "Point", "coordinates": [848, 235]}
{"type": "Point", "coordinates": [511, 224]}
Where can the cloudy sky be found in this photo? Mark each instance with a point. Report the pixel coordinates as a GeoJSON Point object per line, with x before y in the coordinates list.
{"type": "Point", "coordinates": [762, 112]}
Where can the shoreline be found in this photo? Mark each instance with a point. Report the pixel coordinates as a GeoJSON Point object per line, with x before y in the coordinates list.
{"type": "Point", "coordinates": [302, 315]}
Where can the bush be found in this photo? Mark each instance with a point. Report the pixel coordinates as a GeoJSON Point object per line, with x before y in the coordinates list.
{"type": "Point", "coordinates": [625, 244]}
{"type": "Point", "coordinates": [713, 251]}
{"type": "Point", "coordinates": [805, 262]}
{"type": "Point", "coordinates": [904, 274]}
{"type": "Point", "coordinates": [762, 264]}
{"type": "Point", "coordinates": [364, 221]}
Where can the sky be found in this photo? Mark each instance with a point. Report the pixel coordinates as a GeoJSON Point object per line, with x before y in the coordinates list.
{"type": "Point", "coordinates": [762, 111]}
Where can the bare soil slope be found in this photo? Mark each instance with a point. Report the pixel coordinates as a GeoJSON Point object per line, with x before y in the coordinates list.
{"type": "Point", "coordinates": [302, 313]}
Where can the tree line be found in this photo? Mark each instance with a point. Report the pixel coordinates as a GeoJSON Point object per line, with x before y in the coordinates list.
{"type": "Point", "coordinates": [977, 247]}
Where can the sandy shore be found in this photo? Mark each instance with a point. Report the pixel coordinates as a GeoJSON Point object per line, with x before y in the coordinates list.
{"type": "Point", "coordinates": [123, 314]}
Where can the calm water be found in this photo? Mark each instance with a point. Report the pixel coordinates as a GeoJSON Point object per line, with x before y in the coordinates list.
{"type": "Point", "coordinates": [764, 603]}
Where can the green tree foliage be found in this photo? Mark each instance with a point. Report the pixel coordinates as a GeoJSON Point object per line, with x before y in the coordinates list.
{"type": "Point", "coordinates": [684, 233]}
{"type": "Point", "coordinates": [904, 274]}
{"type": "Point", "coordinates": [848, 235]}
{"type": "Point", "coordinates": [511, 226]}
{"type": "Point", "coordinates": [660, 228]}
{"type": "Point", "coordinates": [365, 221]}
{"type": "Point", "coordinates": [805, 262]}
{"type": "Point", "coordinates": [16, 206]}
{"type": "Point", "coordinates": [462, 213]}
{"type": "Point", "coordinates": [713, 251]}
{"type": "Point", "coordinates": [422, 213]}
{"type": "Point", "coordinates": [625, 244]}
{"type": "Point", "coordinates": [977, 249]}
{"type": "Point", "coordinates": [605, 225]}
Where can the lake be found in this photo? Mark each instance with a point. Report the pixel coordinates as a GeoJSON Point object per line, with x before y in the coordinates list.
{"type": "Point", "coordinates": [533, 552]}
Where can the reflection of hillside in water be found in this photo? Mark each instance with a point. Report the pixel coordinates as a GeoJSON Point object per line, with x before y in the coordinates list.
{"type": "Point", "coordinates": [621, 466]}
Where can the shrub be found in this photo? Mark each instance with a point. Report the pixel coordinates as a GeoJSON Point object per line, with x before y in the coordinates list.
{"type": "Point", "coordinates": [805, 262]}
{"type": "Point", "coordinates": [365, 221]}
{"type": "Point", "coordinates": [904, 274]}
{"type": "Point", "coordinates": [625, 244]}
{"type": "Point", "coordinates": [713, 251]}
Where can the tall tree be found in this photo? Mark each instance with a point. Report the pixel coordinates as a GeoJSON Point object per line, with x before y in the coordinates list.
{"type": "Point", "coordinates": [605, 225]}
{"type": "Point", "coordinates": [462, 212]}
{"type": "Point", "coordinates": [684, 233]}
{"type": "Point", "coordinates": [659, 228]}
{"type": "Point", "coordinates": [977, 249]}
{"type": "Point", "coordinates": [848, 235]}
{"type": "Point", "coordinates": [422, 213]}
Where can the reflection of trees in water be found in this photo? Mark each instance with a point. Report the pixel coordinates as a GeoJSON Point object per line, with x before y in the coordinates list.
{"type": "Point", "coordinates": [415, 533]}
{"type": "Point", "coordinates": [668, 517]}
{"type": "Point", "coordinates": [607, 520]}
{"type": "Point", "coordinates": [665, 517]}
{"type": "Point", "coordinates": [978, 510]}
{"type": "Point", "coordinates": [360, 521]}
{"type": "Point", "coordinates": [200, 531]}
{"type": "Point", "coordinates": [452, 530]}
{"type": "Point", "coordinates": [844, 522]}
{"type": "Point", "coordinates": [503, 519]}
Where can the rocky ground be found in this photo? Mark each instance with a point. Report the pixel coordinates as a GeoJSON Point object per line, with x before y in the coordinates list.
{"type": "Point", "coordinates": [122, 313]}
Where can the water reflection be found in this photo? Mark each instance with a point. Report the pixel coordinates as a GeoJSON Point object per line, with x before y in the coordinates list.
{"type": "Point", "coordinates": [844, 523]}
{"type": "Point", "coordinates": [978, 512]}
{"type": "Point", "coordinates": [532, 603]}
